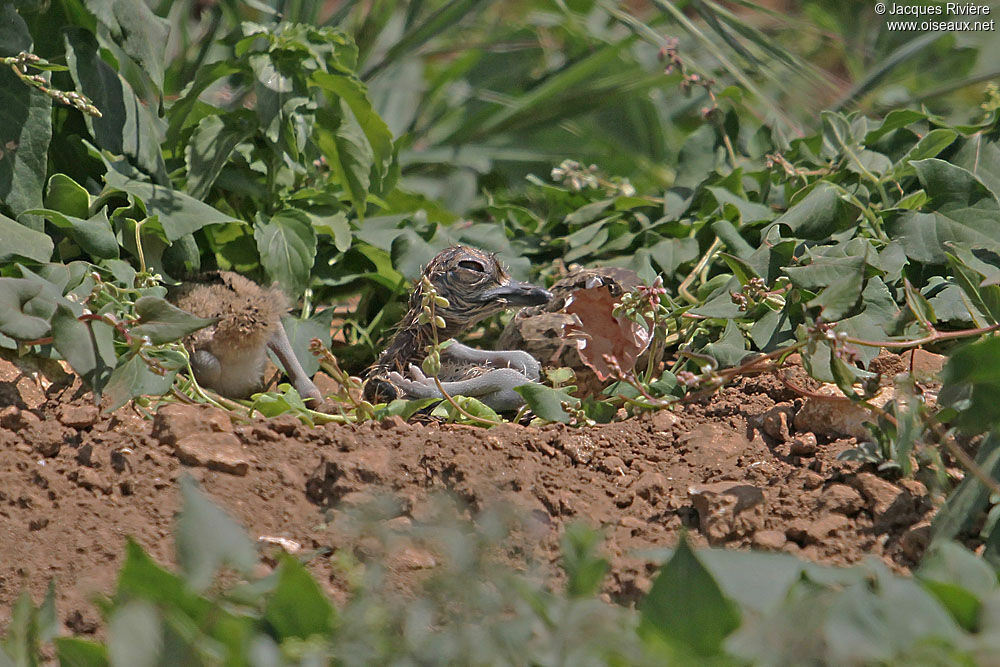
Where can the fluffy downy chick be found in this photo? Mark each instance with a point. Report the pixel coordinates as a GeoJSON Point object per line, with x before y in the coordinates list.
{"type": "Point", "coordinates": [231, 355]}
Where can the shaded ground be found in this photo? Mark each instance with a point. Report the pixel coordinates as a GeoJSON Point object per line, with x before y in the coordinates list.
{"type": "Point", "coordinates": [737, 471]}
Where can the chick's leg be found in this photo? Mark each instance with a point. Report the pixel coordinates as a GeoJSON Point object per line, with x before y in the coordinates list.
{"type": "Point", "coordinates": [282, 349]}
{"type": "Point", "coordinates": [520, 361]}
{"type": "Point", "coordinates": [494, 388]}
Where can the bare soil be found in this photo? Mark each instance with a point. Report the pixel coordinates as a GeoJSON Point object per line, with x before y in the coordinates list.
{"type": "Point", "coordinates": [736, 470]}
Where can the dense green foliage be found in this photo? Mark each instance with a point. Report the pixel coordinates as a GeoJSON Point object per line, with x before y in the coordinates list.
{"type": "Point", "coordinates": [337, 153]}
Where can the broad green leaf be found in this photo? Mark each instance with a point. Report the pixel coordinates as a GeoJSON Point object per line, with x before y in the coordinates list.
{"type": "Point", "coordinates": [585, 570]}
{"type": "Point", "coordinates": [469, 404]}
{"type": "Point", "coordinates": [133, 377]}
{"type": "Point", "coordinates": [959, 579]}
{"type": "Point", "coordinates": [211, 145]}
{"type": "Point", "coordinates": [546, 402]}
{"type": "Point", "coordinates": [297, 607]}
{"type": "Point", "coordinates": [140, 577]}
{"type": "Point", "coordinates": [67, 196]}
{"type": "Point", "coordinates": [972, 384]}
{"type": "Point", "coordinates": [354, 94]}
{"type": "Point", "coordinates": [863, 627]}
{"type": "Point", "coordinates": [962, 210]}
{"type": "Point", "coordinates": [25, 127]}
{"type": "Point", "coordinates": [287, 245]}
{"type": "Point", "coordinates": [87, 346]}
{"type": "Point", "coordinates": [163, 322]}
{"type": "Point", "coordinates": [348, 154]}
{"type": "Point", "coordinates": [894, 120]}
{"type": "Point", "coordinates": [137, 31]}
{"type": "Point", "coordinates": [978, 280]}
{"type": "Point", "coordinates": [670, 254]}
{"type": "Point", "coordinates": [686, 608]}
{"type": "Point", "coordinates": [819, 214]}
{"type": "Point", "coordinates": [981, 157]}
{"type": "Point", "coordinates": [929, 146]}
{"type": "Point", "coordinates": [284, 401]}
{"type": "Point", "coordinates": [730, 348]}
{"type": "Point", "coordinates": [749, 211]}
{"type": "Point", "coordinates": [20, 644]}
{"type": "Point", "coordinates": [207, 538]}
{"type": "Point", "coordinates": [842, 294]}
{"type": "Point", "coordinates": [336, 226]}
{"type": "Point", "coordinates": [182, 108]}
{"type": "Point", "coordinates": [75, 652]}
{"type": "Point", "coordinates": [179, 214]}
{"type": "Point", "coordinates": [963, 605]}
{"type": "Point", "coordinates": [126, 126]}
{"type": "Point", "coordinates": [135, 635]}
{"type": "Point", "coordinates": [404, 408]}
{"type": "Point", "coordinates": [22, 241]}
{"type": "Point", "coordinates": [94, 235]}
{"type": "Point", "coordinates": [26, 307]}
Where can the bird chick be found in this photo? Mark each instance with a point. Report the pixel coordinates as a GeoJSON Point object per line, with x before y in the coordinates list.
{"type": "Point", "coordinates": [475, 286]}
{"type": "Point", "coordinates": [231, 355]}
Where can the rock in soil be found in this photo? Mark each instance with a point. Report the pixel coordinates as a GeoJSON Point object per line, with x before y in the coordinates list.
{"type": "Point", "coordinates": [727, 509]}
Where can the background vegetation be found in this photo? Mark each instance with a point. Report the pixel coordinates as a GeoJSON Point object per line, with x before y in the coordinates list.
{"type": "Point", "coordinates": [781, 168]}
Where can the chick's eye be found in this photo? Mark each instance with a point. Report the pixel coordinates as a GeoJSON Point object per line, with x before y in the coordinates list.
{"type": "Point", "coordinates": [472, 266]}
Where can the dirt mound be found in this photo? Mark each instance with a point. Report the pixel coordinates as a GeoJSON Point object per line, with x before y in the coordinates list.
{"type": "Point", "coordinates": [739, 471]}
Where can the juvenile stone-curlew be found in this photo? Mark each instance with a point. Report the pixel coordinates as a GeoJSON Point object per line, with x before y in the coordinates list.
{"type": "Point", "coordinates": [231, 355]}
{"type": "Point", "coordinates": [475, 285]}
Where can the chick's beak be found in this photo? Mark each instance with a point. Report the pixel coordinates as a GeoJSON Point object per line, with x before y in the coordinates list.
{"type": "Point", "coordinates": [517, 293]}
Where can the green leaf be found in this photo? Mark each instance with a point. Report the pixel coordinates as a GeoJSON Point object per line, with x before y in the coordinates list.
{"type": "Point", "coordinates": [546, 402]}
{"type": "Point", "coordinates": [972, 383]}
{"type": "Point", "coordinates": [404, 408]}
{"type": "Point", "coordinates": [137, 31]}
{"type": "Point", "coordinates": [584, 569]}
{"type": "Point", "coordinates": [817, 215]}
{"type": "Point", "coordinates": [842, 294]}
{"type": "Point", "coordinates": [211, 145]}
{"type": "Point", "coordinates": [297, 607]}
{"type": "Point", "coordinates": [348, 154]}
{"type": "Point", "coordinates": [287, 246]}
{"type": "Point", "coordinates": [336, 226]}
{"type": "Point", "coordinates": [126, 126]}
{"type": "Point", "coordinates": [87, 346]}
{"type": "Point", "coordinates": [26, 308]}
{"type": "Point", "coordinates": [284, 401]}
{"type": "Point", "coordinates": [22, 241]}
{"type": "Point", "coordinates": [164, 322]}
{"type": "Point", "coordinates": [978, 280]}
{"type": "Point", "coordinates": [730, 348]}
{"type": "Point", "coordinates": [863, 627]}
{"type": "Point", "coordinates": [67, 196]}
{"type": "Point", "coordinates": [929, 146]}
{"type": "Point", "coordinates": [133, 377]}
{"type": "Point", "coordinates": [958, 579]}
{"type": "Point", "coordinates": [135, 635]}
{"type": "Point", "coordinates": [686, 608]}
{"type": "Point", "coordinates": [94, 235]}
{"type": "Point", "coordinates": [25, 127]}
{"type": "Point", "coordinates": [963, 210]}
{"type": "Point", "coordinates": [354, 94]}
{"type": "Point", "coordinates": [178, 213]}
{"type": "Point", "coordinates": [74, 652]}
{"type": "Point", "coordinates": [207, 538]}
